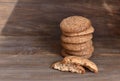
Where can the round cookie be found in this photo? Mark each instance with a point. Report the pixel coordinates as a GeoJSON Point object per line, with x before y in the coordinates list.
{"type": "Point", "coordinates": [77, 47]}
{"type": "Point", "coordinates": [76, 39]}
{"type": "Point", "coordinates": [87, 31]}
{"type": "Point", "coordinates": [87, 51]}
{"type": "Point", "coordinates": [64, 54]}
{"type": "Point", "coordinates": [75, 24]}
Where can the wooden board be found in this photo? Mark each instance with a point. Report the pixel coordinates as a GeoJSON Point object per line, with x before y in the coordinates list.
{"type": "Point", "coordinates": [36, 65]}
{"type": "Point", "coordinates": [38, 16]}
{"type": "Point", "coordinates": [30, 39]}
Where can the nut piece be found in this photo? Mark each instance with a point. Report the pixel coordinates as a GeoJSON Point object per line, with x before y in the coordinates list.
{"type": "Point", "coordinates": [81, 61]}
{"type": "Point", "coordinates": [68, 67]}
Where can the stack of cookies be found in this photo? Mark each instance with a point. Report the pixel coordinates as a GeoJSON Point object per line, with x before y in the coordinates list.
{"type": "Point", "coordinates": [76, 37]}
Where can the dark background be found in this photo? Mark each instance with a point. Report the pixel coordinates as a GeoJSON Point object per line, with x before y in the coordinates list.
{"type": "Point", "coordinates": [30, 38]}
{"type": "Point", "coordinates": [42, 17]}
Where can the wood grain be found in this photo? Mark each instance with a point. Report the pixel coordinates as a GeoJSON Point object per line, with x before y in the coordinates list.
{"type": "Point", "coordinates": [29, 58]}
{"type": "Point", "coordinates": [36, 67]}
{"type": "Point", "coordinates": [30, 39]}
{"type": "Point", "coordinates": [32, 17]}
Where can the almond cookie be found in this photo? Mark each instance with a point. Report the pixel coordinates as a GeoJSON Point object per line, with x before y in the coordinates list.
{"type": "Point", "coordinates": [64, 54]}
{"type": "Point", "coordinates": [68, 67]}
{"type": "Point", "coordinates": [76, 39]}
{"type": "Point", "coordinates": [76, 47]}
{"type": "Point", "coordinates": [75, 24]}
{"type": "Point", "coordinates": [87, 51]}
{"type": "Point", "coordinates": [81, 61]}
{"type": "Point", "coordinates": [87, 31]}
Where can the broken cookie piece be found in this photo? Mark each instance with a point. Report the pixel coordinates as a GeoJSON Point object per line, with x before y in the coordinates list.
{"type": "Point", "coordinates": [81, 61]}
{"type": "Point", "coordinates": [68, 67]}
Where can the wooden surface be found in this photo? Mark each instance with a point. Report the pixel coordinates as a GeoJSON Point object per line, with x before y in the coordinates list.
{"type": "Point", "coordinates": [30, 39]}
{"type": "Point", "coordinates": [36, 66]}
{"type": "Point", "coordinates": [36, 17]}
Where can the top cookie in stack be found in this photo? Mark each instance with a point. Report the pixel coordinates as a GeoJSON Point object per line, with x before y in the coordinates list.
{"type": "Point", "coordinates": [77, 36]}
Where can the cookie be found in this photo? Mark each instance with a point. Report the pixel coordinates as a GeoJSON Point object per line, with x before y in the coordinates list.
{"type": "Point", "coordinates": [74, 24]}
{"type": "Point", "coordinates": [76, 47]}
{"type": "Point", "coordinates": [70, 67]}
{"type": "Point", "coordinates": [64, 54]}
{"type": "Point", "coordinates": [81, 61]}
{"type": "Point", "coordinates": [76, 39]}
{"type": "Point", "coordinates": [87, 51]}
{"type": "Point", "coordinates": [87, 31]}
